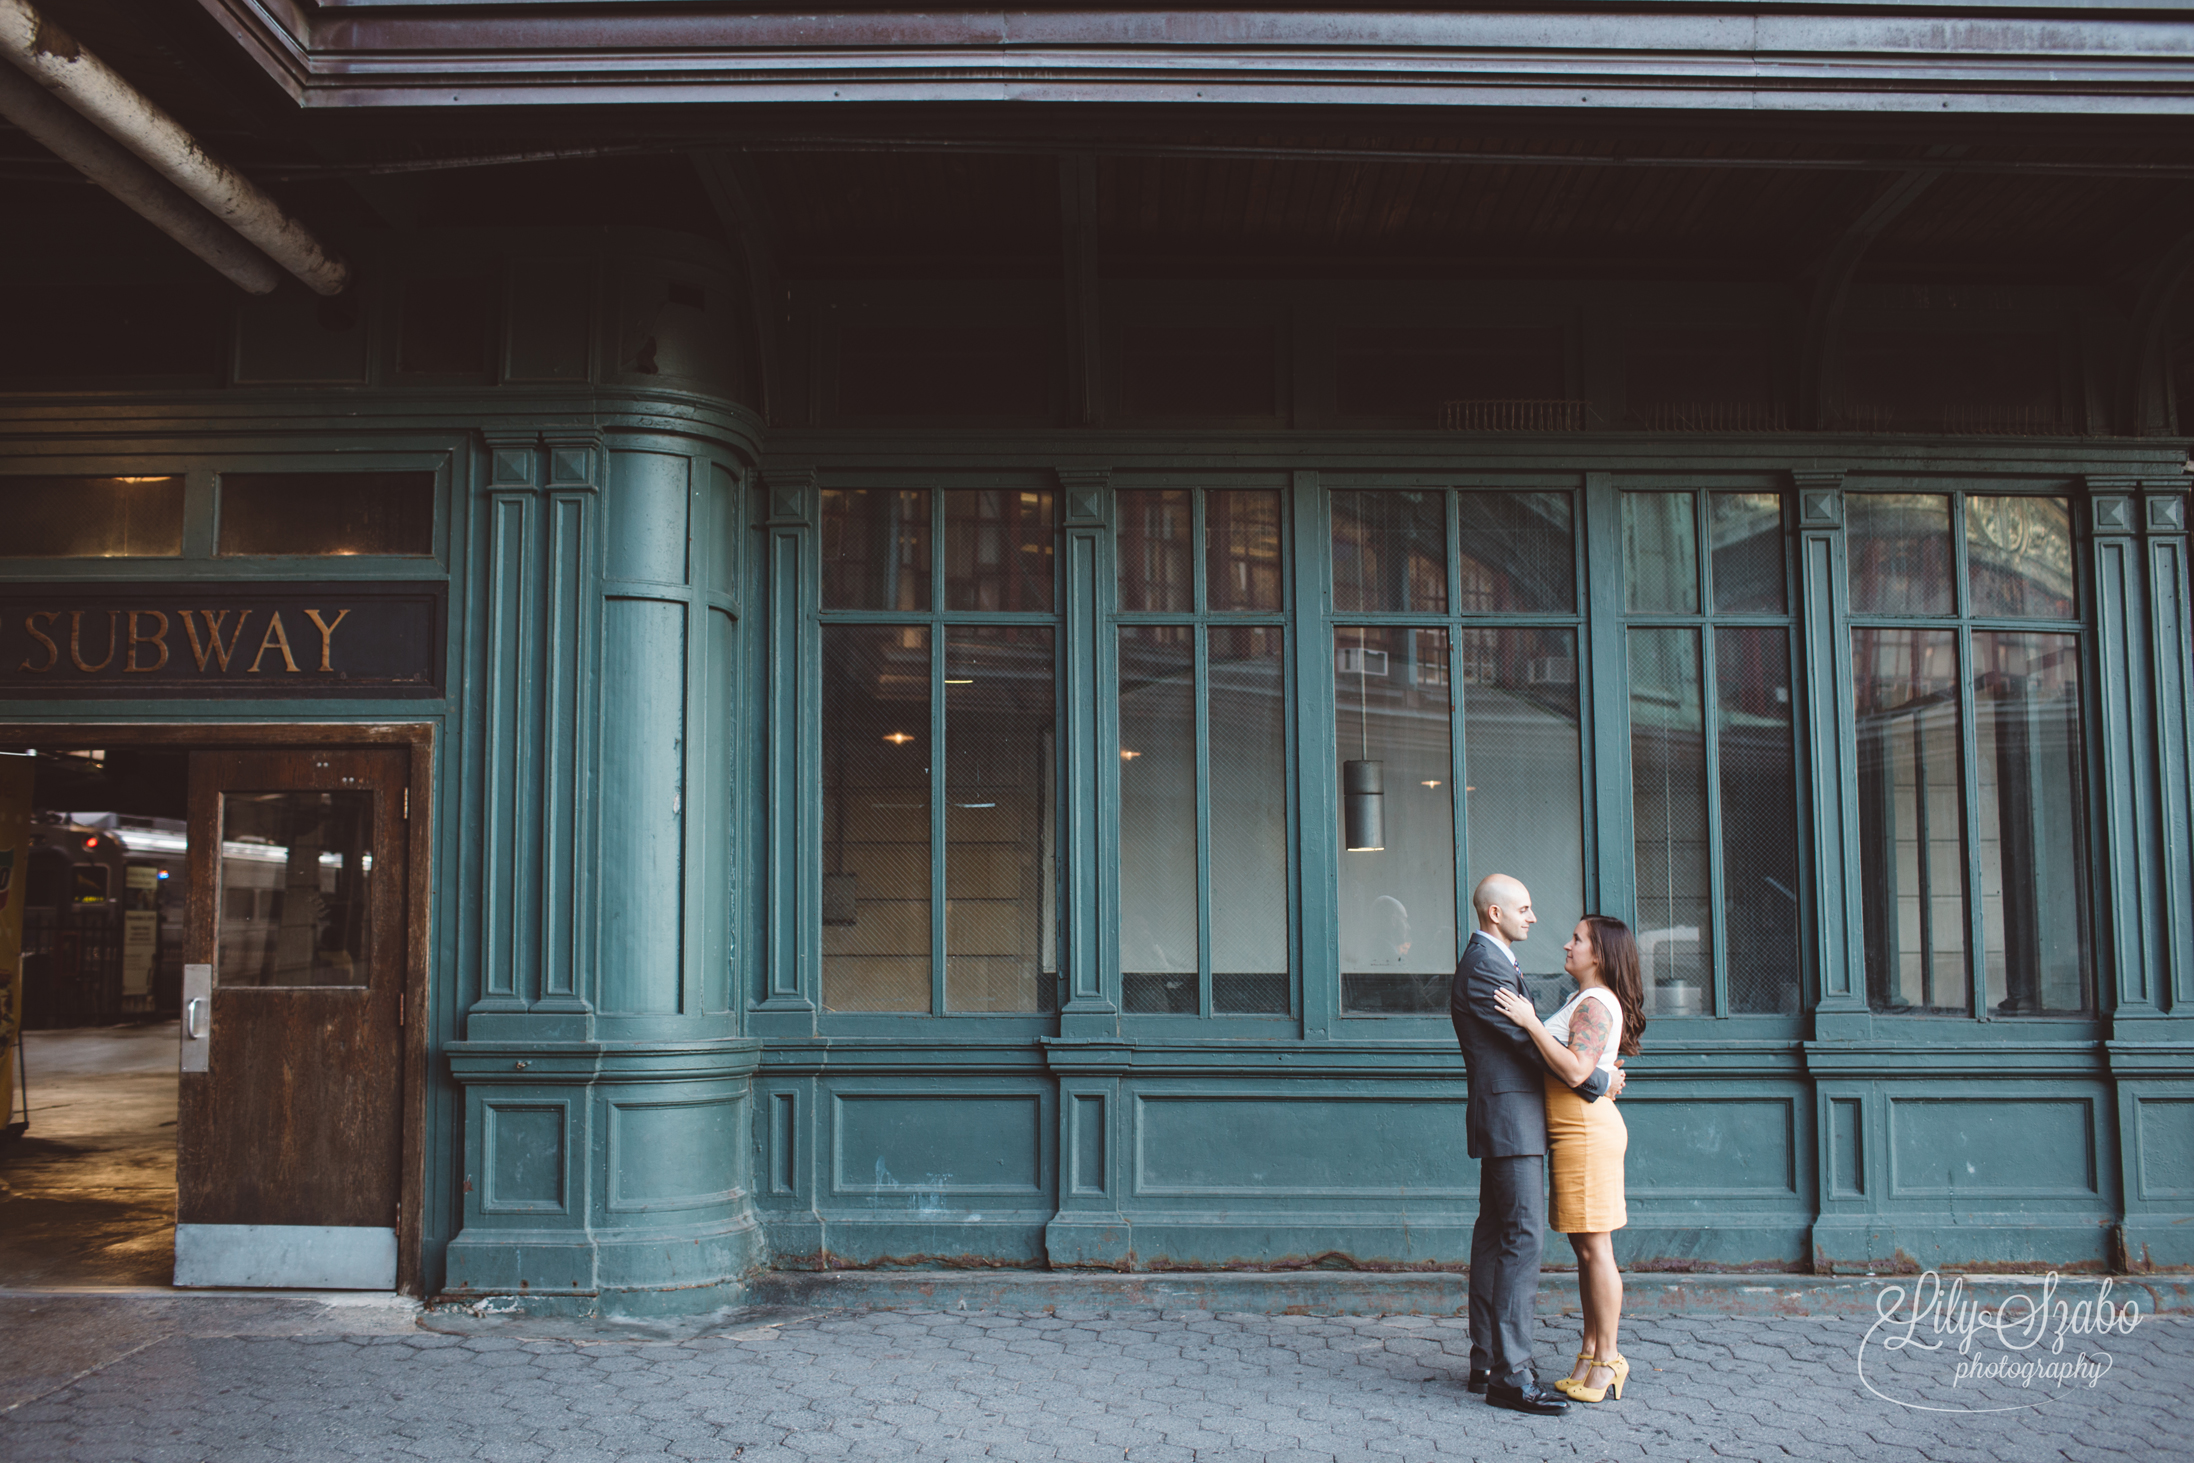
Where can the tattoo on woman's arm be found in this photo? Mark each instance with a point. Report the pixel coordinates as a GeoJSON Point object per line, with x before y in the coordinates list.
{"type": "Point", "coordinates": [1589, 1027]}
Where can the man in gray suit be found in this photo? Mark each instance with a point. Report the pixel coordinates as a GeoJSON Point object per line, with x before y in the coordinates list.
{"type": "Point", "coordinates": [1506, 1122]}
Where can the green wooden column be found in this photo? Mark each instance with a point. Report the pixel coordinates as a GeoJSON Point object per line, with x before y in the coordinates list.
{"type": "Point", "coordinates": [2142, 611]}
{"type": "Point", "coordinates": [1089, 1056]}
{"type": "Point", "coordinates": [607, 1083]}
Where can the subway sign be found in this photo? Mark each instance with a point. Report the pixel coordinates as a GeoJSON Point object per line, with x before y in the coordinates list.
{"type": "Point", "coordinates": [61, 642]}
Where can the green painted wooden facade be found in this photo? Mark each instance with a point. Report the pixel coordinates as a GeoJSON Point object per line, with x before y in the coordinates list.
{"type": "Point", "coordinates": [637, 1098]}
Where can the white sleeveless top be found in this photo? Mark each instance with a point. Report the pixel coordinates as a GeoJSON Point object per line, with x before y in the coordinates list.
{"type": "Point", "coordinates": [1557, 1025]}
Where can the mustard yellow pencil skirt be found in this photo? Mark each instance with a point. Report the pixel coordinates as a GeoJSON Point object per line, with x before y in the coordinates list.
{"type": "Point", "coordinates": [1587, 1142]}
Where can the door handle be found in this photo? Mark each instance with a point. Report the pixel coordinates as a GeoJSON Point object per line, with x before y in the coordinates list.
{"type": "Point", "coordinates": [197, 1018]}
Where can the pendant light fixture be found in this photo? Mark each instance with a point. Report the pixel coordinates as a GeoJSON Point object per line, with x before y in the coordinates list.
{"type": "Point", "coordinates": [1363, 780]}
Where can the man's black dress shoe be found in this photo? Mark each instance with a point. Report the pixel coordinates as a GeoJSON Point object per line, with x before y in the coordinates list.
{"type": "Point", "coordinates": [1478, 1380]}
{"type": "Point", "coordinates": [1527, 1398]}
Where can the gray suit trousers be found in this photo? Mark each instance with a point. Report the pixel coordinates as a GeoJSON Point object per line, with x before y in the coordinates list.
{"type": "Point", "coordinates": [1504, 1266]}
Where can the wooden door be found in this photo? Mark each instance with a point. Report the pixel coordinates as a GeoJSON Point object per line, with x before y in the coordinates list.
{"type": "Point", "coordinates": [289, 1135]}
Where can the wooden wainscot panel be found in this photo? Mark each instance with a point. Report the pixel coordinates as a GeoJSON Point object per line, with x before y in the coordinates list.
{"type": "Point", "coordinates": [1274, 1146]}
{"type": "Point", "coordinates": [917, 1147]}
{"type": "Point", "coordinates": [66, 642]}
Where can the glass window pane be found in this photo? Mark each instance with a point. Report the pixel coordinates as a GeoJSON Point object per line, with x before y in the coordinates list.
{"type": "Point", "coordinates": [1158, 934]}
{"type": "Point", "coordinates": [1242, 549]}
{"type": "Point", "coordinates": [1524, 792]}
{"type": "Point", "coordinates": [1660, 553]}
{"type": "Point", "coordinates": [1393, 695]}
{"type": "Point", "coordinates": [296, 868]}
{"type": "Point", "coordinates": [875, 549]}
{"type": "Point", "coordinates": [1000, 794]}
{"type": "Point", "coordinates": [998, 548]}
{"type": "Point", "coordinates": [1745, 531]}
{"type": "Point", "coordinates": [1900, 553]}
{"type": "Point", "coordinates": [327, 513]}
{"type": "Point", "coordinates": [1249, 782]}
{"type": "Point", "coordinates": [2018, 553]}
{"type": "Point", "coordinates": [1389, 552]}
{"type": "Point", "coordinates": [92, 518]}
{"type": "Point", "coordinates": [876, 825]}
{"type": "Point", "coordinates": [2033, 824]}
{"type": "Point", "coordinates": [1156, 562]}
{"type": "Point", "coordinates": [1669, 823]}
{"type": "Point", "coordinates": [1518, 552]}
{"type": "Point", "coordinates": [1911, 825]}
{"type": "Point", "coordinates": [1759, 818]}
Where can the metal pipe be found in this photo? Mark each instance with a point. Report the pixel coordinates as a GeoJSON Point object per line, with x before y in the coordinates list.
{"type": "Point", "coordinates": [116, 169]}
{"type": "Point", "coordinates": [51, 57]}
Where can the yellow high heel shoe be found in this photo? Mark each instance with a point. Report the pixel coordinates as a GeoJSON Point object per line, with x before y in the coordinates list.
{"type": "Point", "coordinates": [1620, 1370]}
{"type": "Point", "coordinates": [1563, 1384]}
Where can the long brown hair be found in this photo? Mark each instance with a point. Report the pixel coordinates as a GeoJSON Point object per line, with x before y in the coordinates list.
{"type": "Point", "coordinates": [1618, 952]}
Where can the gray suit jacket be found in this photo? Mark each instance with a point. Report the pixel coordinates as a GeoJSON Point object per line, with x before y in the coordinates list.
{"type": "Point", "coordinates": [1506, 1116]}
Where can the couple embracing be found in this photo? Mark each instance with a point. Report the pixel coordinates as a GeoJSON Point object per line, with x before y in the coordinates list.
{"type": "Point", "coordinates": [1541, 1090]}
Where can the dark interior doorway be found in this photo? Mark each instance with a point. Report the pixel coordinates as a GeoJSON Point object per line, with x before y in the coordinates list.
{"type": "Point", "coordinates": [87, 1187]}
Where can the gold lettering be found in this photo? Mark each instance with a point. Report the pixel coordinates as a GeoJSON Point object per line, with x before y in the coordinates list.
{"type": "Point", "coordinates": [327, 633]}
{"type": "Point", "coordinates": [276, 639]}
{"type": "Point", "coordinates": [76, 634]}
{"type": "Point", "coordinates": [158, 637]}
{"type": "Point", "coordinates": [53, 651]}
{"type": "Point", "coordinates": [213, 633]}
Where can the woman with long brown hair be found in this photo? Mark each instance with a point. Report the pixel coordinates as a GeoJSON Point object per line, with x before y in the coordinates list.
{"type": "Point", "coordinates": [1588, 1139]}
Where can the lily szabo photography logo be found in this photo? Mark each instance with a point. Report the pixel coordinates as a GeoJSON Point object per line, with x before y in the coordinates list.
{"type": "Point", "coordinates": [1941, 1348]}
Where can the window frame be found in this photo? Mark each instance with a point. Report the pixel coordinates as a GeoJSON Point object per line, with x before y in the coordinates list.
{"type": "Point", "coordinates": [938, 621]}
{"type": "Point", "coordinates": [1964, 623]}
{"type": "Point", "coordinates": [1454, 621]}
{"type": "Point", "coordinates": [1702, 624]}
{"type": "Point", "coordinates": [1202, 619]}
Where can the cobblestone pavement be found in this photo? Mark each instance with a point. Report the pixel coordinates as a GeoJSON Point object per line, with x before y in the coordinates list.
{"type": "Point", "coordinates": [1114, 1387]}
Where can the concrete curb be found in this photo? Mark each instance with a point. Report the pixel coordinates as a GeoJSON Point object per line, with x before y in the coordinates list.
{"type": "Point", "coordinates": [1444, 1293]}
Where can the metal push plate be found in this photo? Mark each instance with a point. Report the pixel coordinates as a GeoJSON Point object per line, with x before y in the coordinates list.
{"type": "Point", "coordinates": [197, 1041]}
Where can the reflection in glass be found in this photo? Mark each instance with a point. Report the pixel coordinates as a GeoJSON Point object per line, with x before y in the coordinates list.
{"type": "Point", "coordinates": [1759, 800]}
{"type": "Point", "coordinates": [1249, 904]}
{"type": "Point", "coordinates": [1242, 549]}
{"type": "Point", "coordinates": [1911, 828]}
{"type": "Point", "coordinates": [1900, 553]}
{"type": "Point", "coordinates": [2033, 828]}
{"type": "Point", "coordinates": [1397, 916]}
{"type": "Point", "coordinates": [2018, 553]}
{"type": "Point", "coordinates": [1518, 552]}
{"type": "Point", "coordinates": [327, 513]}
{"type": "Point", "coordinates": [876, 823]}
{"type": "Point", "coordinates": [1745, 533]}
{"type": "Point", "coordinates": [1000, 884]}
{"type": "Point", "coordinates": [1158, 931]}
{"type": "Point", "coordinates": [1389, 552]}
{"type": "Point", "coordinates": [92, 517]}
{"type": "Point", "coordinates": [875, 549]}
{"type": "Point", "coordinates": [294, 880]}
{"type": "Point", "coordinates": [1525, 790]}
{"type": "Point", "coordinates": [1153, 543]}
{"type": "Point", "coordinates": [998, 548]}
{"type": "Point", "coordinates": [1669, 822]}
{"type": "Point", "coordinates": [1660, 553]}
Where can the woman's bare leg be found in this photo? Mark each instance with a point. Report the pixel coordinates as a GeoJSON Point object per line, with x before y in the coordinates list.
{"type": "Point", "coordinates": [1590, 1299]}
{"type": "Point", "coordinates": [1601, 1285]}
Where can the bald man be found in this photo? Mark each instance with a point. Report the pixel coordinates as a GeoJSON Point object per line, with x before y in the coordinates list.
{"type": "Point", "coordinates": [1506, 1133]}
